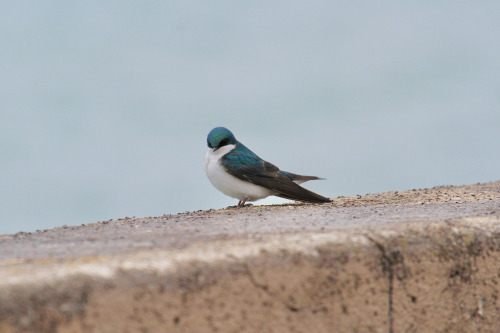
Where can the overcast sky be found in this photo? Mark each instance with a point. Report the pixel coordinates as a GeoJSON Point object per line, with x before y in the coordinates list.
{"type": "Point", "coordinates": [105, 106]}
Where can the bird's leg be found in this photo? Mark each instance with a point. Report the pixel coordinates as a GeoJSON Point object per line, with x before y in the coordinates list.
{"type": "Point", "coordinates": [243, 202]}
{"type": "Point", "coordinates": [239, 203]}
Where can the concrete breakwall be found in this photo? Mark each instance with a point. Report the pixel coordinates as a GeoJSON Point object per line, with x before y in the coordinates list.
{"type": "Point", "coordinates": [416, 261]}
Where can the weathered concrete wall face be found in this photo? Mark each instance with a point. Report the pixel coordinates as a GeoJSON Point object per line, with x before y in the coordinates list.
{"type": "Point", "coordinates": [434, 275]}
{"type": "Point", "coordinates": [445, 281]}
{"type": "Point", "coordinates": [449, 285]}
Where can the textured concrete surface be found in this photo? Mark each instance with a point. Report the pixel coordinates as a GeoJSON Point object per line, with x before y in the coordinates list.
{"type": "Point", "coordinates": [421, 260]}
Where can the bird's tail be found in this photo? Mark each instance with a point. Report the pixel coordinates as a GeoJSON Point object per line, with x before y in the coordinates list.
{"type": "Point", "coordinates": [299, 179]}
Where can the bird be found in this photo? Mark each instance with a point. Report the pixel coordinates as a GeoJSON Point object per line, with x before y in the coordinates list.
{"type": "Point", "coordinates": [238, 172]}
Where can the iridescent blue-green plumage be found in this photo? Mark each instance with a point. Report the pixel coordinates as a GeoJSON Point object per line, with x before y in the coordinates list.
{"type": "Point", "coordinates": [241, 156]}
{"type": "Point", "coordinates": [220, 136]}
{"type": "Point", "coordinates": [244, 164]}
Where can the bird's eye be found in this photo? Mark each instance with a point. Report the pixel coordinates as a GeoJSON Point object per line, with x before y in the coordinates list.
{"type": "Point", "coordinates": [223, 142]}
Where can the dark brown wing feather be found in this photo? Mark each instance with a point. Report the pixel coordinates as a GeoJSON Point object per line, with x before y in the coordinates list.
{"type": "Point", "coordinates": [267, 175]}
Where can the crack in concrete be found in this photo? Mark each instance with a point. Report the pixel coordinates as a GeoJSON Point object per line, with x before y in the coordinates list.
{"type": "Point", "coordinates": [387, 263]}
{"type": "Point", "coordinates": [266, 290]}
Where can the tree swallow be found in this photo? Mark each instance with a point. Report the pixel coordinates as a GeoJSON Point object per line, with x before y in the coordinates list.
{"type": "Point", "coordinates": [239, 173]}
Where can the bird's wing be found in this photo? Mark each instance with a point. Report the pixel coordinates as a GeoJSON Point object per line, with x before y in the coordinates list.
{"type": "Point", "coordinates": [259, 172]}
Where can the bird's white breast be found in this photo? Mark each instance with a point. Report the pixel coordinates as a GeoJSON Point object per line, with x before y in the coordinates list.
{"type": "Point", "coordinates": [227, 183]}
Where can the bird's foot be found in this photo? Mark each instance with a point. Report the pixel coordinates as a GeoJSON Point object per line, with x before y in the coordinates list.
{"type": "Point", "coordinates": [239, 206]}
{"type": "Point", "coordinates": [241, 203]}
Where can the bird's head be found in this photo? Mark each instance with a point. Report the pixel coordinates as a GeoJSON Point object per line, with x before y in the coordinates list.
{"type": "Point", "coordinates": [220, 137]}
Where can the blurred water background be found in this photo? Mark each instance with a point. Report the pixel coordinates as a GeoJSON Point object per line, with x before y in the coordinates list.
{"type": "Point", "coordinates": [105, 105]}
